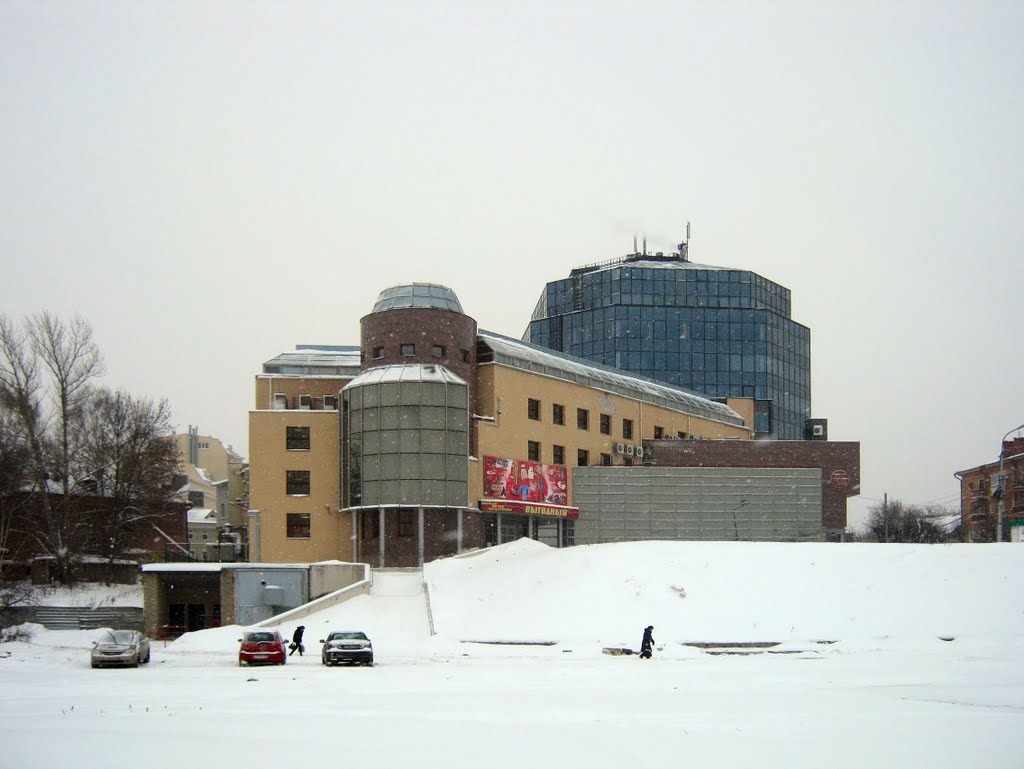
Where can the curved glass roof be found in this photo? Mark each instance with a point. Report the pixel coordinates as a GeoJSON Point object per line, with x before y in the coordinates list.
{"type": "Point", "coordinates": [418, 295]}
{"type": "Point", "coordinates": [406, 372]}
{"type": "Point", "coordinates": [523, 355]}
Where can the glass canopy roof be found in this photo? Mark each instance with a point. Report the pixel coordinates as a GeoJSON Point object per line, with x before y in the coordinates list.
{"type": "Point", "coordinates": [512, 352]}
{"type": "Point", "coordinates": [418, 295]}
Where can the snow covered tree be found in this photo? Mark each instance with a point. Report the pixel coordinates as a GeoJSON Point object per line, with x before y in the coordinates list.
{"type": "Point", "coordinates": [896, 522]}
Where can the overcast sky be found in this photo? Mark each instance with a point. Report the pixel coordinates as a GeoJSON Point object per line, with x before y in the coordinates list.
{"type": "Point", "coordinates": [211, 183]}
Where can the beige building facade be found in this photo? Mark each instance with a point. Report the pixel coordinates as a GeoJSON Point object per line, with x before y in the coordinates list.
{"type": "Point", "coordinates": [433, 436]}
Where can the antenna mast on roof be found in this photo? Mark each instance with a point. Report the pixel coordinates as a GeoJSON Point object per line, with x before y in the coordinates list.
{"type": "Point", "coordinates": [684, 247]}
{"type": "Point", "coordinates": [634, 245]}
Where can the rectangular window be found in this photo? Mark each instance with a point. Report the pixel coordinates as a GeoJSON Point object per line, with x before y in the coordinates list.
{"type": "Point", "coordinates": [627, 428]}
{"type": "Point", "coordinates": [680, 434]}
{"type": "Point", "coordinates": [627, 461]}
{"type": "Point", "coordinates": [533, 408]}
{"type": "Point", "coordinates": [330, 402]}
{"type": "Point", "coordinates": [465, 356]}
{"type": "Point", "coordinates": [582, 457]}
{"type": "Point", "coordinates": [606, 460]}
{"type": "Point", "coordinates": [296, 482]}
{"type": "Point", "coordinates": [558, 455]}
{"type": "Point", "coordinates": [407, 350]}
{"type": "Point", "coordinates": [659, 432]}
{"type": "Point", "coordinates": [297, 438]}
{"type": "Point", "coordinates": [583, 419]}
{"type": "Point", "coordinates": [533, 451]}
{"type": "Point", "coordinates": [606, 424]}
{"type": "Point", "coordinates": [297, 526]}
{"type": "Point", "coordinates": [437, 351]}
{"type": "Point", "coordinates": [378, 352]}
{"type": "Point", "coordinates": [558, 413]}
{"type": "Point", "coordinates": [406, 522]}
{"type": "Point", "coordinates": [371, 525]}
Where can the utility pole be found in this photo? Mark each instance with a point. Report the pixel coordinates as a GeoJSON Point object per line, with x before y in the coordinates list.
{"type": "Point", "coordinates": [885, 513]}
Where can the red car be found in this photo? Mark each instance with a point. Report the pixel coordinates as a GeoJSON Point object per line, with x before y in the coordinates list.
{"type": "Point", "coordinates": [262, 647]}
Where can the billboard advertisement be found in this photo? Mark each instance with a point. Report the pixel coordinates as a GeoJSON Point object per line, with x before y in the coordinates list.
{"type": "Point", "coordinates": [525, 481]}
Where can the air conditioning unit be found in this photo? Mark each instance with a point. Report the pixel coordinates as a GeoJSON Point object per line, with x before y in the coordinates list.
{"type": "Point", "coordinates": [280, 401]}
{"type": "Point", "coordinates": [630, 450]}
{"type": "Point", "coordinates": [640, 452]}
{"type": "Point", "coordinates": [620, 448]}
{"type": "Point", "coordinates": [305, 401]}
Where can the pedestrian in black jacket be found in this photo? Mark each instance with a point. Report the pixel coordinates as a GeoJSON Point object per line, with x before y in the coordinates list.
{"type": "Point", "coordinates": [297, 641]}
{"type": "Point", "coordinates": [647, 645]}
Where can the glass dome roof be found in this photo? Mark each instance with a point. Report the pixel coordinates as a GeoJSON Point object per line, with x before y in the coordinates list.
{"type": "Point", "coordinates": [418, 295]}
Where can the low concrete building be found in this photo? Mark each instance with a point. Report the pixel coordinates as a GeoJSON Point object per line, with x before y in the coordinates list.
{"type": "Point", "coordinates": [184, 597]}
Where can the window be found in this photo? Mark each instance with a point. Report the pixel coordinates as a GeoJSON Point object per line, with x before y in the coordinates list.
{"type": "Point", "coordinates": [558, 455]}
{"type": "Point", "coordinates": [582, 457]}
{"type": "Point", "coordinates": [465, 356]}
{"type": "Point", "coordinates": [407, 349]}
{"type": "Point", "coordinates": [583, 419]}
{"type": "Point", "coordinates": [378, 352]}
{"type": "Point", "coordinates": [297, 438]}
{"type": "Point", "coordinates": [533, 409]}
{"type": "Point", "coordinates": [406, 522]}
{"type": "Point", "coordinates": [659, 432]}
{"type": "Point", "coordinates": [297, 526]}
{"type": "Point", "coordinates": [296, 482]}
{"type": "Point", "coordinates": [533, 451]}
{"type": "Point", "coordinates": [437, 351]}
{"type": "Point", "coordinates": [371, 525]}
{"type": "Point", "coordinates": [330, 402]}
{"type": "Point", "coordinates": [606, 460]}
{"type": "Point", "coordinates": [558, 413]}
{"type": "Point", "coordinates": [606, 424]}
{"type": "Point", "coordinates": [196, 499]}
{"type": "Point", "coordinates": [680, 434]}
{"type": "Point", "coordinates": [627, 461]}
{"type": "Point", "coordinates": [627, 428]}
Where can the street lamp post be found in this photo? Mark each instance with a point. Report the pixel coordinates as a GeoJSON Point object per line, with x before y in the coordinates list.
{"type": "Point", "coordinates": [1003, 484]}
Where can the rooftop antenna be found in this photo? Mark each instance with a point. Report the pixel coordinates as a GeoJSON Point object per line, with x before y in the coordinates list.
{"type": "Point", "coordinates": [634, 245]}
{"type": "Point", "coordinates": [645, 245]}
{"type": "Point", "coordinates": [684, 247]}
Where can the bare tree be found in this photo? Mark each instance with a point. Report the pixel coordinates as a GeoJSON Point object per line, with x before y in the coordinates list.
{"type": "Point", "coordinates": [46, 366]}
{"type": "Point", "coordinates": [129, 444]}
{"type": "Point", "coordinates": [897, 522]}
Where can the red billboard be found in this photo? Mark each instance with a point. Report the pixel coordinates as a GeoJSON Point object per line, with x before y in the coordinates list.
{"type": "Point", "coordinates": [525, 481]}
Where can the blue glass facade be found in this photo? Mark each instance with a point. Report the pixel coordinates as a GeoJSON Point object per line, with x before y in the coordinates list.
{"type": "Point", "coordinates": [719, 332]}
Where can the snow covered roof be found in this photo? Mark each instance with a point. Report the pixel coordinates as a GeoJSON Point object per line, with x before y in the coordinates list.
{"type": "Point", "coordinates": [531, 357]}
{"type": "Point", "coordinates": [406, 372]}
{"type": "Point", "coordinates": [202, 515]}
{"type": "Point", "coordinates": [321, 359]}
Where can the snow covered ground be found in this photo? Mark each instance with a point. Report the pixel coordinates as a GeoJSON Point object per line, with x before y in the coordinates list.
{"type": "Point", "coordinates": [859, 674]}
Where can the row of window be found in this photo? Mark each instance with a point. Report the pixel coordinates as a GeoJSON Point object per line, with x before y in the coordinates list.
{"type": "Point", "coordinates": [408, 350]}
{"type": "Point", "coordinates": [533, 409]}
{"type": "Point", "coordinates": [299, 526]}
{"type": "Point", "coordinates": [533, 454]}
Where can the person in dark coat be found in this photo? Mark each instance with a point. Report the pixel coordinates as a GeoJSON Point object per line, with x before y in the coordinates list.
{"type": "Point", "coordinates": [647, 645]}
{"type": "Point", "coordinates": [297, 641]}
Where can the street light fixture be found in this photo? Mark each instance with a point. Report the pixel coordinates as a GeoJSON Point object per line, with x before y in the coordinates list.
{"type": "Point", "coordinates": [1002, 484]}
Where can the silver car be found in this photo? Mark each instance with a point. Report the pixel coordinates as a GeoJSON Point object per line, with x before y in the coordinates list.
{"type": "Point", "coordinates": [346, 646]}
{"type": "Point", "coordinates": [120, 647]}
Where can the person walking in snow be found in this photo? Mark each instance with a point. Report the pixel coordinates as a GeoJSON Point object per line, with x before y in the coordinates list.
{"type": "Point", "coordinates": [297, 641]}
{"type": "Point", "coordinates": [647, 645]}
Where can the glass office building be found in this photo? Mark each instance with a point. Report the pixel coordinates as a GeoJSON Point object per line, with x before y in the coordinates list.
{"type": "Point", "coordinates": [716, 331]}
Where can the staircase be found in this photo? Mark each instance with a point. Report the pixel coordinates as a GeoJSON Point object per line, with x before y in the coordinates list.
{"type": "Point", "coordinates": [75, 618]}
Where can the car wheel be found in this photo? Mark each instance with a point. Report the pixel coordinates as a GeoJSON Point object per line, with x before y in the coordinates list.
{"type": "Point", "coordinates": [147, 658]}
